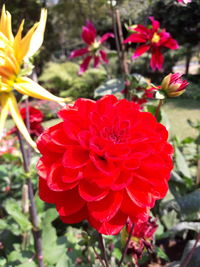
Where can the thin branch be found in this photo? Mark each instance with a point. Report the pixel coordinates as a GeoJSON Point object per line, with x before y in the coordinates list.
{"type": "Point", "coordinates": [103, 250]}
{"type": "Point", "coordinates": [99, 257]}
{"type": "Point", "coordinates": [189, 255]}
{"type": "Point", "coordinates": [32, 209]}
{"type": "Point", "coordinates": [126, 246]}
{"type": "Point", "coordinates": [121, 39]}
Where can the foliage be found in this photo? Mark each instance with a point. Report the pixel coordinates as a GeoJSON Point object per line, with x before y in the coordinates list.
{"type": "Point", "coordinates": [63, 77]}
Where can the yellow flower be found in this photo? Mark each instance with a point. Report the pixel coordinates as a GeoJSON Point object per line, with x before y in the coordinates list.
{"type": "Point", "coordinates": [14, 51]}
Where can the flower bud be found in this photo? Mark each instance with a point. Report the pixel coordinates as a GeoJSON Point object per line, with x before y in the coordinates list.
{"type": "Point", "coordinates": [174, 85]}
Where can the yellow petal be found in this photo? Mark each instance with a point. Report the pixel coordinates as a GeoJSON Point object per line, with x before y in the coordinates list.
{"type": "Point", "coordinates": [28, 87]}
{"type": "Point", "coordinates": [24, 43]}
{"type": "Point", "coordinates": [12, 103]}
{"type": "Point", "coordinates": [5, 24]}
{"type": "Point", "coordinates": [17, 43]}
{"type": "Point", "coordinates": [4, 110]}
{"type": "Point", "coordinates": [38, 36]}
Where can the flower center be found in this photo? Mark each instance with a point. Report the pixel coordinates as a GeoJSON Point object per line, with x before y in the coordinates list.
{"type": "Point", "coordinates": [115, 135]}
{"type": "Point", "coordinates": [94, 46]}
{"type": "Point", "coordinates": [155, 38]}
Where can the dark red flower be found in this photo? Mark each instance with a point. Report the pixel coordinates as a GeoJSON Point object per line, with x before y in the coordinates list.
{"type": "Point", "coordinates": [153, 39]}
{"type": "Point", "coordinates": [106, 162]}
{"type": "Point", "coordinates": [93, 49]}
{"type": "Point", "coordinates": [35, 118]}
{"type": "Point", "coordinates": [142, 237]}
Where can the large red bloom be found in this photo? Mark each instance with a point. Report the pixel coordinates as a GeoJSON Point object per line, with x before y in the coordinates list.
{"type": "Point", "coordinates": [106, 162]}
{"type": "Point", "coordinates": [153, 39]}
{"type": "Point", "coordinates": [93, 49]}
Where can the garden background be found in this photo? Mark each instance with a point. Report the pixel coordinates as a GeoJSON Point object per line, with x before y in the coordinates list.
{"type": "Point", "coordinates": [178, 216]}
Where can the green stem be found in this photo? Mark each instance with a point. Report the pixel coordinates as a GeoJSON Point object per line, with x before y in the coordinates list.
{"type": "Point", "coordinates": [158, 108]}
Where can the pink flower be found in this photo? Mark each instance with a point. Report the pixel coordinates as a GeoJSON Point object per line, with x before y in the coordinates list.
{"type": "Point", "coordinates": [174, 85]}
{"type": "Point", "coordinates": [153, 39]}
{"type": "Point", "coordinates": [7, 145]}
{"type": "Point", "coordinates": [93, 47]}
{"type": "Point", "coordinates": [184, 1]}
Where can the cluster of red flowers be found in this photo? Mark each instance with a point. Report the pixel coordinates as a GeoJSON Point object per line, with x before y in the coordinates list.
{"type": "Point", "coordinates": [142, 237]}
{"type": "Point", "coordinates": [35, 120]}
{"type": "Point", "coordinates": [153, 39]}
{"type": "Point", "coordinates": [93, 50]}
{"type": "Point", "coordinates": [107, 162]}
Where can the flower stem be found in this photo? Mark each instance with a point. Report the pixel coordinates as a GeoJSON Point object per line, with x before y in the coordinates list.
{"type": "Point", "coordinates": [103, 250]}
{"type": "Point", "coordinates": [121, 40]}
{"type": "Point", "coordinates": [189, 255]}
{"type": "Point", "coordinates": [32, 209]}
{"type": "Point", "coordinates": [98, 256]}
{"type": "Point", "coordinates": [158, 108]}
{"type": "Point", "coordinates": [126, 246]}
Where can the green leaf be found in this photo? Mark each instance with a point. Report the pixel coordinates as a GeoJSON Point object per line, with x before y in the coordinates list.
{"type": "Point", "coordinates": [64, 261]}
{"type": "Point", "coordinates": [110, 87]}
{"type": "Point", "coordinates": [14, 210]}
{"type": "Point", "coordinates": [161, 254]}
{"type": "Point", "coordinates": [190, 203]}
{"type": "Point", "coordinates": [181, 163]}
{"type": "Point", "coordinates": [50, 215]}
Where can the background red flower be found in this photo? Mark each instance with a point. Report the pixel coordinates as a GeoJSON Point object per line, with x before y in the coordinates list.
{"type": "Point", "coordinates": [93, 49]}
{"type": "Point", "coordinates": [153, 39]}
{"type": "Point", "coordinates": [35, 118]}
{"type": "Point", "coordinates": [106, 162]}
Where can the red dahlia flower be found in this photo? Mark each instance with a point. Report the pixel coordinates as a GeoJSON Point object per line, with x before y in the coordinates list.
{"type": "Point", "coordinates": [93, 47]}
{"type": "Point", "coordinates": [153, 39]}
{"type": "Point", "coordinates": [35, 118]}
{"type": "Point", "coordinates": [174, 85]}
{"type": "Point", "coordinates": [105, 162]}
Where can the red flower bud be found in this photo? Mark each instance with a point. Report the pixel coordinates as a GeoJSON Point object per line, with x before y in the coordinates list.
{"type": "Point", "coordinates": [174, 85]}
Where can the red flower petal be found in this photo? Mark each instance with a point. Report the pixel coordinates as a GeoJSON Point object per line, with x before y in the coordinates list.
{"type": "Point", "coordinates": [96, 61]}
{"type": "Point", "coordinates": [55, 181]}
{"type": "Point", "coordinates": [75, 217]}
{"type": "Point", "coordinates": [92, 174]}
{"type": "Point", "coordinates": [91, 192]}
{"type": "Point", "coordinates": [135, 38]}
{"type": "Point", "coordinates": [140, 50]}
{"type": "Point", "coordinates": [112, 227]}
{"type": "Point", "coordinates": [106, 36]}
{"type": "Point", "coordinates": [84, 65]}
{"type": "Point", "coordinates": [156, 59]}
{"type": "Point", "coordinates": [104, 210]}
{"type": "Point", "coordinates": [70, 203]}
{"type": "Point", "coordinates": [88, 33]}
{"type": "Point", "coordinates": [46, 194]}
{"type": "Point", "coordinates": [155, 23]}
{"type": "Point", "coordinates": [79, 52]}
{"type": "Point", "coordinates": [132, 210]}
{"type": "Point", "coordinates": [103, 164]}
{"type": "Point", "coordinates": [103, 56]}
{"type": "Point", "coordinates": [75, 157]}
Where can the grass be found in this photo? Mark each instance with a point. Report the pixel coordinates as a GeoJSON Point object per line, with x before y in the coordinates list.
{"type": "Point", "coordinates": [179, 111]}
